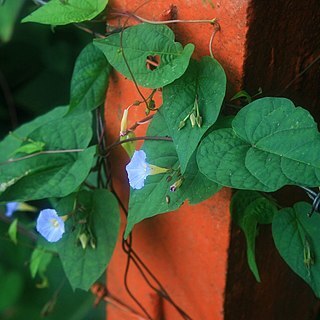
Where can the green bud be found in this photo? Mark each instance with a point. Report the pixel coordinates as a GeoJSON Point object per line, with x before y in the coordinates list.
{"type": "Point", "coordinates": [152, 104]}
{"type": "Point", "coordinates": [308, 258]}
{"type": "Point", "coordinates": [83, 238]}
{"type": "Point", "coordinates": [192, 120]}
{"type": "Point", "coordinates": [176, 185]}
{"type": "Point", "coordinates": [93, 242]}
{"type": "Point", "coordinates": [181, 124]}
{"type": "Point", "coordinates": [199, 121]}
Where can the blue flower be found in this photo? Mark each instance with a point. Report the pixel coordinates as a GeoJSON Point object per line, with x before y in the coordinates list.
{"type": "Point", "coordinates": [50, 225]}
{"type": "Point", "coordinates": [11, 207]}
{"type": "Point", "coordinates": [138, 169]}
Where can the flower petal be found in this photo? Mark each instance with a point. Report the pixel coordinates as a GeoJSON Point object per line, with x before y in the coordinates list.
{"type": "Point", "coordinates": [50, 225]}
{"type": "Point", "coordinates": [138, 169]}
{"type": "Point", "coordinates": [11, 207]}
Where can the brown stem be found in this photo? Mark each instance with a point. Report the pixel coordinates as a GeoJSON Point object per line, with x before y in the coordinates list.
{"type": "Point", "coordinates": [141, 19]}
{"type": "Point", "coordinates": [117, 143]}
{"type": "Point", "coordinates": [87, 30]}
{"type": "Point", "coordinates": [21, 229]}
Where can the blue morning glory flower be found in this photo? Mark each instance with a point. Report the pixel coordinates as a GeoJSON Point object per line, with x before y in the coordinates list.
{"type": "Point", "coordinates": [138, 169]}
{"type": "Point", "coordinates": [50, 225]}
{"type": "Point", "coordinates": [11, 207]}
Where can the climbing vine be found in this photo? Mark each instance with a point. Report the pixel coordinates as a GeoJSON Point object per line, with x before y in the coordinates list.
{"type": "Point", "coordinates": [191, 150]}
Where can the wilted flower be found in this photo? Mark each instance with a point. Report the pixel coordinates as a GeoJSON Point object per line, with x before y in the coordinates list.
{"type": "Point", "coordinates": [50, 225]}
{"type": "Point", "coordinates": [138, 169]}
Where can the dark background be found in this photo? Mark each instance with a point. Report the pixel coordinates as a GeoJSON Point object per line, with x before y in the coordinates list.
{"type": "Point", "coordinates": [36, 67]}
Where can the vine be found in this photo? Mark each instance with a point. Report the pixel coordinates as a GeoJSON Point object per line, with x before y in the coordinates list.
{"type": "Point", "coordinates": [268, 144]}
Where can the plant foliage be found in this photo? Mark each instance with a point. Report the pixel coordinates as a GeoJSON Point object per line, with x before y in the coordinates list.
{"type": "Point", "coordinates": [192, 151]}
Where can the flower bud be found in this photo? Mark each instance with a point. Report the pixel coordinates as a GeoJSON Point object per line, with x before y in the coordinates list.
{"type": "Point", "coordinates": [124, 122]}
{"type": "Point", "coordinates": [176, 185]}
{"type": "Point", "coordinates": [181, 124]}
{"type": "Point", "coordinates": [192, 119]}
{"type": "Point", "coordinates": [93, 242]}
{"type": "Point", "coordinates": [83, 238]}
{"type": "Point", "coordinates": [199, 121]}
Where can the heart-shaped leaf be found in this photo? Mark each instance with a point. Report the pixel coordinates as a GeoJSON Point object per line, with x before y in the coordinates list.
{"type": "Point", "coordinates": [143, 42]}
{"type": "Point", "coordinates": [272, 144]}
{"type": "Point", "coordinates": [61, 12]}
{"type": "Point", "coordinates": [202, 86]}
{"type": "Point", "coordinates": [56, 173]}
{"type": "Point", "coordinates": [297, 237]}
{"type": "Point", "coordinates": [84, 266]}
{"type": "Point", "coordinates": [248, 209]}
{"type": "Point", "coordinates": [89, 80]}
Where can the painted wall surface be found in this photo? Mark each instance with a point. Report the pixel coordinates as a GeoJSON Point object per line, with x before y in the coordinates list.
{"type": "Point", "coordinates": [187, 250]}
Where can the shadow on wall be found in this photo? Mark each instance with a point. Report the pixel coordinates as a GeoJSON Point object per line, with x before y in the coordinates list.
{"type": "Point", "coordinates": [283, 58]}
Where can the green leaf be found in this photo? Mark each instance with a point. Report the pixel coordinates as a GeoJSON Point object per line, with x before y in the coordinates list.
{"type": "Point", "coordinates": [242, 94]}
{"type": "Point", "coordinates": [31, 147]}
{"type": "Point", "coordinates": [142, 42]}
{"type": "Point", "coordinates": [9, 12]}
{"type": "Point", "coordinates": [10, 143]}
{"type": "Point", "coordinates": [84, 266]}
{"type": "Point", "coordinates": [248, 209]}
{"type": "Point", "coordinates": [130, 146]}
{"type": "Point", "coordinates": [156, 195]}
{"type": "Point", "coordinates": [39, 261]}
{"type": "Point", "coordinates": [12, 231]}
{"type": "Point", "coordinates": [272, 144]}
{"type": "Point", "coordinates": [297, 237]}
{"type": "Point", "coordinates": [11, 289]}
{"type": "Point", "coordinates": [49, 175]}
{"type": "Point", "coordinates": [204, 83]}
{"type": "Point", "coordinates": [90, 80]}
{"type": "Point", "coordinates": [61, 12]}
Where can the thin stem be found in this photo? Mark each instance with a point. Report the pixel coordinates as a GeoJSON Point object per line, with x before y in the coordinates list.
{"type": "Point", "coordinates": [126, 282]}
{"type": "Point", "coordinates": [127, 248]}
{"type": "Point", "coordinates": [117, 143]}
{"type": "Point", "coordinates": [128, 14]}
{"type": "Point", "coordinates": [21, 229]}
{"type": "Point", "coordinates": [161, 292]}
{"type": "Point", "coordinates": [300, 74]}
{"type": "Point", "coordinates": [40, 153]}
{"type": "Point", "coordinates": [125, 59]}
{"type": "Point", "coordinates": [215, 30]}
{"type": "Point", "coordinates": [137, 124]}
{"type": "Point", "coordinates": [40, 2]}
{"type": "Point", "coordinates": [311, 194]}
{"type": "Point", "coordinates": [87, 30]}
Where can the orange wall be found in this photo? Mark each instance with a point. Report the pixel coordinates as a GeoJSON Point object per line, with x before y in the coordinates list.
{"type": "Point", "coordinates": [187, 249]}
